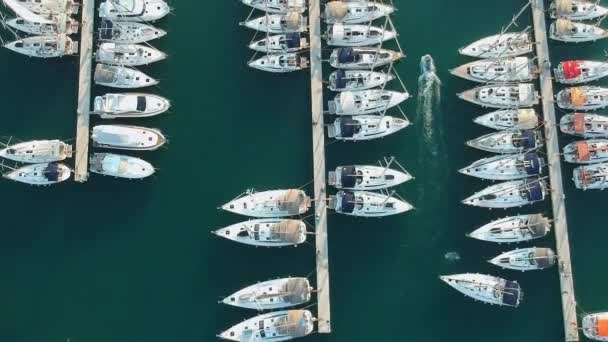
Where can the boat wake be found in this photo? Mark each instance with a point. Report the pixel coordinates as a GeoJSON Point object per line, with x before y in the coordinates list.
{"type": "Point", "coordinates": [429, 95]}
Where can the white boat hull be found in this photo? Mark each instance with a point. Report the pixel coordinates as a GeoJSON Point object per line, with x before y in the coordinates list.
{"type": "Point", "coordinates": [265, 232]}
{"type": "Point", "coordinates": [120, 166]}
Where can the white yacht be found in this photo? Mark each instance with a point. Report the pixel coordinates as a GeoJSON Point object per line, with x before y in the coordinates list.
{"type": "Point", "coordinates": [594, 176]}
{"type": "Point", "coordinates": [587, 151]}
{"type": "Point", "coordinates": [121, 77]}
{"type": "Point", "coordinates": [37, 151]}
{"type": "Point", "coordinates": [281, 43]}
{"type": "Point", "coordinates": [583, 98]}
{"type": "Point", "coordinates": [279, 23]}
{"type": "Point", "coordinates": [584, 125]}
{"type": "Point", "coordinates": [572, 32]}
{"type": "Point", "coordinates": [60, 24]}
{"type": "Point", "coordinates": [120, 166]}
{"type": "Point", "coordinates": [125, 137]}
{"type": "Point", "coordinates": [40, 174]}
{"type": "Point", "coordinates": [129, 105]}
{"type": "Point", "coordinates": [280, 63]}
{"type": "Point", "coordinates": [128, 32]}
{"type": "Point", "coordinates": [49, 7]}
{"type": "Point", "coordinates": [357, 35]}
{"type": "Point", "coordinates": [268, 232]}
{"type": "Point", "coordinates": [509, 194]}
{"type": "Point", "coordinates": [270, 204]}
{"type": "Point", "coordinates": [504, 96]}
{"type": "Point", "coordinates": [277, 6]}
{"type": "Point", "coordinates": [595, 326]}
{"type": "Point", "coordinates": [273, 294]}
{"type": "Point", "coordinates": [526, 259]}
{"type": "Point", "coordinates": [366, 58]}
{"type": "Point", "coordinates": [44, 46]}
{"type": "Point", "coordinates": [128, 54]}
{"type": "Point", "coordinates": [133, 10]}
{"type": "Point", "coordinates": [365, 127]}
{"type": "Point", "coordinates": [354, 80]}
{"type": "Point", "coordinates": [367, 204]}
{"type": "Point", "coordinates": [501, 45]}
{"type": "Point", "coordinates": [486, 288]}
{"type": "Point", "coordinates": [364, 102]}
{"type": "Point", "coordinates": [506, 167]}
{"type": "Point", "coordinates": [506, 119]}
{"type": "Point", "coordinates": [576, 10]}
{"type": "Point", "coordinates": [366, 177]}
{"type": "Point", "coordinates": [513, 229]}
{"type": "Point", "coordinates": [510, 141]}
{"type": "Point", "coordinates": [355, 11]}
{"type": "Point", "coordinates": [512, 69]}
{"type": "Point", "coordinates": [274, 326]}
{"type": "Point", "coordinates": [580, 71]}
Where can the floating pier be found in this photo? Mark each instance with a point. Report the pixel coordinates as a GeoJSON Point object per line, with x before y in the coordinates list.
{"type": "Point", "coordinates": [555, 174]}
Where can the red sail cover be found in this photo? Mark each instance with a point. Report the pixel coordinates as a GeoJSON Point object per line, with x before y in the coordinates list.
{"type": "Point", "coordinates": [579, 123]}
{"type": "Point", "coordinates": [572, 69]}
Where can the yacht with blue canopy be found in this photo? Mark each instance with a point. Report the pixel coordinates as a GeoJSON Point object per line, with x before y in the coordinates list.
{"type": "Point", "coordinates": [506, 119]}
{"type": "Point", "coordinates": [512, 141]}
{"type": "Point", "coordinates": [367, 204]}
{"type": "Point", "coordinates": [128, 32]}
{"type": "Point", "coordinates": [513, 229]}
{"type": "Point", "coordinates": [40, 174]}
{"type": "Point", "coordinates": [506, 167]}
{"type": "Point", "coordinates": [281, 43]}
{"type": "Point", "coordinates": [365, 127]}
{"type": "Point", "coordinates": [486, 288]}
{"type": "Point", "coordinates": [362, 57]}
{"type": "Point", "coordinates": [510, 194]}
{"type": "Point", "coordinates": [353, 80]}
{"type": "Point", "coordinates": [280, 63]}
{"type": "Point", "coordinates": [368, 177]}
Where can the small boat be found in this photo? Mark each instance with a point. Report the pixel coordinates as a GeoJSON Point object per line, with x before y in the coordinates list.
{"type": "Point", "coordinates": [131, 105]}
{"type": "Point", "coordinates": [277, 6]}
{"type": "Point", "coordinates": [286, 62]}
{"type": "Point", "coordinates": [576, 10]}
{"type": "Point", "coordinates": [51, 7]}
{"type": "Point", "coordinates": [273, 294]}
{"type": "Point", "coordinates": [270, 204]}
{"type": "Point", "coordinates": [44, 46]}
{"type": "Point", "coordinates": [591, 177]}
{"type": "Point", "coordinates": [270, 232]}
{"type": "Point", "coordinates": [579, 71]}
{"type": "Point", "coordinates": [125, 137]}
{"type": "Point", "coordinates": [584, 125]}
{"type": "Point", "coordinates": [513, 69]}
{"type": "Point", "coordinates": [357, 35]}
{"type": "Point", "coordinates": [509, 194]}
{"type": "Point", "coordinates": [512, 141]}
{"type": "Point", "coordinates": [353, 80]}
{"type": "Point", "coordinates": [121, 77]}
{"type": "Point", "coordinates": [362, 58]}
{"type": "Point", "coordinates": [486, 288]}
{"type": "Point", "coordinates": [133, 10]}
{"type": "Point", "coordinates": [507, 119]}
{"type": "Point", "coordinates": [355, 12]}
{"type": "Point", "coordinates": [274, 326]}
{"type": "Point", "coordinates": [595, 326]}
{"type": "Point", "coordinates": [501, 45]}
{"type": "Point", "coordinates": [128, 54]}
{"type": "Point", "coordinates": [506, 167]}
{"type": "Point", "coordinates": [513, 229]}
{"type": "Point", "coordinates": [278, 23]}
{"type": "Point", "coordinates": [128, 32]}
{"type": "Point", "coordinates": [40, 174]}
{"type": "Point", "coordinates": [364, 102]}
{"type": "Point", "coordinates": [120, 166]}
{"type": "Point", "coordinates": [366, 177]}
{"type": "Point", "coordinates": [587, 151]}
{"type": "Point", "coordinates": [583, 98]}
{"type": "Point", "coordinates": [37, 151]}
{"type": "Point", "coordinates": [365, 127]}
{"type": "Point", "coordinates": [526, 259]}
{"type": "Point", "coordinates": [571, 32]}
{"type": "Point", "coordinates": [281, 43]}
{"type": "Point", "coordinates": [60, 24]}
{"type": "Point", "coordinates": [367, 204]}
{"type": "Point", "coordinates": [505, 96]}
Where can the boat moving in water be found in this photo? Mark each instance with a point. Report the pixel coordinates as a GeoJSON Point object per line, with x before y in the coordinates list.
{"type": "Point", "coordinates": [513, 69]}
{"type": "Point", "coordinates": [595, 326]}
{"type": "Point", "coordinates": [120, 166]}
{"type": "Point", "coordinates": [271, 232]}
{"type": "Point", "coordinates": [274, 326]}
{"type": "Point", "coordinates": [354, 80]}
{"type": "Point", "coordinates": [357, 35]}
{"type": "Point", "coordinates": [37, 151]}
{"type": "Point", "coordinates": [365, 127]}
{"type": "Point", "coordinates": [486, 288]}
{"type": "Point", "coordinates": [277, 6]}
{"type": "Point", "coordinates": [508, 44]}
{"type": "Point", "coordinates": [281, 43]}
{"type": "Point", "coordinates": [355, 12]}
{"type": "Point", "coordinates": [278, 23]}
{"type": "Point", "coordinates": [571, 32]}
{"type": "Point", "coordinates": [40, 174]}
{"type": "Point", "coordinates": [362, 58]}
{"type": "Point", "coordinates": [367, 204]}
{"type": "Point", "coordinates": [366, 101]}
{"type": "Point", "coordinates": [587, 151]}
{"type": "Point", "coordinates": [576, 10]}
{"type": "Point", "coordinates": [128, 54]}
{"type": "Point", "coordinates": [125, 137]}
{"type": "Point", "coordinates": [513, 229]}
{"type": "Point", "coordinates": [270, 204]}
{"type": "Point", "coordinates": [60, 24]}
{"type": "Point", "coordinates": [507, 119]}
{"type": "Point", "coordinates": [44, 46]}
{"type": "Point", "coordinates": [580, 71]}
{"type": "Point", "coordinates": [506, 167]}
{"type": "Point", "coordinates": [593, 177]}
{"type": "Point", "coordinates": [512, 141]}
{"type": "Point", "coordinates": [584, 125]}
{"type": "Point", "coordinates": [280, 63]}
{"type": "Point", "coordinates": [526, 259]}
{"type": "Point", "coordinates": [121, 77]}
{"type": "Point", "coordinates": [129, 105]}
{"type": "Point", "coordinates": [128, 32]}
{"type": "Point", "coordinates": [506, 96]}
{"type": "Point", "coordinates": [273, 294]}
{"type": "Point", "coordinates": [366, 177]}
{"type": "Point", "coordinates": [133, 10]}
{"type": "Point", "coordinates": [510, 194]}
{"type": "Point", "coordinates": [583, 98]}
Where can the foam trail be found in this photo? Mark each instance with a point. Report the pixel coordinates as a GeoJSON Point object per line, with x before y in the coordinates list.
{"type": "Point", "coordinates": [429, 97]}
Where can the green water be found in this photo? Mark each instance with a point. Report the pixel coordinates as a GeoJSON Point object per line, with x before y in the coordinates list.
{"type": "Point", "coordinates": [122, 261]}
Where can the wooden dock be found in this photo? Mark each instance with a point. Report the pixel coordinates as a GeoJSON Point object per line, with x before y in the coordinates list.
{"type": "Point", "coordinates": [318, 150]}
{"type": "Point", "coordinates": [555, 174]}
{"type": "Point", "coordinates": [81, 158]}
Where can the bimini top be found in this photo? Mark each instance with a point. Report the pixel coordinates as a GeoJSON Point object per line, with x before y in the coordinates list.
{"type": "Point", "coordinates": [572, 69]}
{"type": "Point", "coordinates": [543, 257]}
{"type": "Point", "coordinates": [532, 163]}
{"type": "Point", "coordinates": [577, 96]}
{"type": "Point", "coordinates": [563, 26]}
{"type": "Point", "coordinates": [579, 122]}
{"type": "Point", "coordinates": [340, 79]}
{"type": "Point", "coordinates": [348, 201]}
{"type": "Point", "coordinates": [348, 176]}
{"type": "Point", "coordinates": [534, 191]}
{"type": "Point", "coordinates": [52, 172]}
{"type": "Point", "coordinates": [287, 231]}
{"type": "Point", "coordinates": [527, 139]}
{"type": "Point", "coordinates": [564, 6]}
{"type": "Point", "coordinates": [583, 151]}
{"type": "Point", "coordinates": [336, 9]}
{"type": "Point", "coordinates": [293, 40]}
{"type": "Point", "coordinates": [348, 127]}
{"type": "Point", "coordinates": [107, 31]}
{"type": "Point", "coordinates": [346, 55]}
{"type": "Point", "coordinates": [602, 327]}
{"type": "Point", "coordinates": [511, 293]}
{"type": "Point", "coordinates": [295, 324]}
{"type": "Point", "coordinates": [105, 73]}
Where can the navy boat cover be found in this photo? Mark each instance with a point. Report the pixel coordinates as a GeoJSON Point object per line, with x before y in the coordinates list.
{"type": "Point", "coordinates": [51, 172]}
{"type": "Point", "coordinates": [528, 139]}
{"type": "Point", "coordinates": [532, 163]}
{"type": "Point", "coordinates": [106, 31]}
{"type": "Point", "coordinates": [348, 176]}
{"type": "Point", "coordinates": [535, 191]}
{"type": "Point", "coordinates": [346, 55]}
{"type": "Point", "coordinates": [340, 79]}
{"type": "Point", "coordinates": [511, 293]}
{"type": "Point", "coordinates": [348, 127]}
{"type": "Point", "coordinates": [348, 202]}
{"type": "Point", "coordinates": [293, 40]}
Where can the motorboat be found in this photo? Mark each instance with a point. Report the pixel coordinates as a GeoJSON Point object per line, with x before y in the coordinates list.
{"type": "Point", "coordinates": [37, 151]}
{"type": "Point", "coordinates": [281, 43]}
{"type": "Point", "coordinates": [526, 259]}
{"type": "Point", "coordinates": [40, 174]}
{"type": "Point", "coordinates": [513, 229]}
{"type": "Point", "coordinates": [121, 77]}
{"type": "Point", "coordinates": [133, 10]}
{"type": "Point", "coordinates": [120, 166]}
{"type": "Point", "coordinates": [277, 6]}
{"type": "Point", "coordinates": [50, 7]}
{"type": "Point", "coordinates": [357, 35]}
{"type": "Point", "coordinates": [60, 24]}
{"type": "Point", "coordinates": [366, 58]}
{"type": "Point", "coordinates": [127, 54]}
{"type": "Point", "coordinates": [280, 63]}
{"type": "Point", "coordinates": [269, 232]}
{"type": "Point", "coordinates": [354, 80]}
{"type": "Point", "coordinates": [583, 98]}
{"type": "Point", "coordinates": [505, 96]}
{"type": "Point", "coordinates": [273, 326]}
{"type": "Point", "coordinates": [595, 326]}
{"type": "Point", "coordinates": [125, 137]}
{"type": "Point", "coordinates": [365, 127]}
{"type": "Point", "coordinates": [364, 102]}
{"type": "Point", "coordinates": [278, 23]}
{"type": "Point", "coordinates": [129, 105]}
{"type": "Point", "coordinates": [367, 204]}
{"type": "Point", "coordinates": [572, 32]}
{"type": "Point", "coordinates": [508, 44]}
{"type": "Point", "coordinates": [584, 125]}
{"type": "Point", "coordinates": [587, 151]}
{"type": "Point", "coordinates": [270, 204]}
{"type": "Point", "coordinates": [486, 288]}
{"type": "Point", "coordinates": [508, 119]}
{"type": "Point", "coordinates": [44, 46]}
{"type": "Point", "coordinates": [576, 10]}
{"type": "Point", "coordinates": [355, 11]}
{"type": "Point", "coordinates": [593, 177]}
{"type": "Point", "coordinates": [366, 177]}
{"type": "Point", "coordinates": [509, 194]}
{"type": "Point", "coordinates": [512, 69]}
{"type": "Point", "coordinates": [128, 32]}
{"type": "Point", "coordinates": [510, 141]}
{"type": "Point", "coordinates": [580, 71]}
{"type": "Point", "coordinates": [273, 294]}
{"type": "Point", "coordinates": [506, 167]}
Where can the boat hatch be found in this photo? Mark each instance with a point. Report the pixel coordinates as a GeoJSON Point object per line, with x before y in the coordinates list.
{"type": "Point", "coordinates": [141, 103]}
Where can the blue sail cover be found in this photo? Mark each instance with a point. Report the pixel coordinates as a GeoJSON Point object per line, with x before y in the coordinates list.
{"type": "Point", "coordinates": [528, 139]}
{"type": "Point", "coordinates": [51, 172]}
{"type": "Point", "coordinates": [106, 31]}
{"type": "Point", "coordinates": [346, 55]}
{"type": "Point", "coordinates": [532, 164]}
{"type": "Point", "coordinates": [348, 176]}
{"type": "Point", "coordinates": [535, 191]}
{"type": "Point", "coordinates": [348, 202]}
{"type": "Point", "coordinates": [348, 127]}
{"type": "Point", "coordinates": [340, 79]}
{"type": "Point", "coordinates": [293, 40]}
{"type": "Point", "coordinates": [510, 294]}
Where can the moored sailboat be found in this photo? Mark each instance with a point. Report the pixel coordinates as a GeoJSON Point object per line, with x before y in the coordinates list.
{"type": "Point", "coordinates": [274, 326]}
{"type": "Point", "coordinates": [580, 71]}
{"type": "Point", "coordinates": [591, 177]}
{"type": "Point", "coordinates": [505, 96]}
{"type": "Point", "coordinates": [587, 151]}
{"type": "Point", "coordinates": [365, 127]}
{"type": "Point", "coordinates": [270, 232]}
{"type": "Point", "coordinates": [506, 167]}
{"type": "Point", "coordinates": [584, 125]}
{"type": "Point", "coordinates": [513, 229]}
{"type": "Point", "coordinates": [272, 294]}
{"type": "Point", "coordinates": [526, 259]}
{"type": "Point", "coordinates": [507, 119]}
{"type": "Point", "coordinates": [507, 44]}
{"type": "Point", "coordinates": [37, 151]}
{"type": "Point", "coordinates": [270, 204]}
{"type": "Point", "coordinates": [511, 194]}
{"type": "Point", "coordinates": [486, 288]}
{"type": "Point", "coordinates": [367, 204]}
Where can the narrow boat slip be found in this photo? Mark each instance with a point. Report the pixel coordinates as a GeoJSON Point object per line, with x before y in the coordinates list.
{"type": "Point", "coordinates": [591, 177]}
{"type": "Point", "coordinates": [583, 98]}
{"type": "Point", "coordinates": [508, 44]}
{"type": "Point", "coordinates": [526, 259]}
{"type": "Point", "coordinates": [505, 96]}
{"type": "Point", "coordinates": [595, 326]}
{"type": "Point", "coordinates": [354, 80]}
{"type": "Point", "coordinates": [362, 58]}
{"type": "Point", "coordinates": [120, 166]}
{"type": "Point", "coordinates": [133, 10]}
{"type": "Point", "coordinates": [280, 63]}
{"type": "Point", "coordinates": [365, 101]}
{"type": "Point", "coordinates": [129, 105]}
{"type": "Point", "coordinates": [44, 46]}
{"type": "Point", "coordinates": [274, 326]}
{"type": "Point", "coordinates": [486, 288]}
{"type": "Point", "coordinates": [366, 177]}
{"type": "Point", "coordinates": [40, 174]}
{"type": "Point", "coordinates": [270, 232]}
{"type": "Point", "coordinates": [508, 141]}
{"type": "Point", "coordinates": [281, 43]}
{"type": "Point", "coordinates": [357, 35]}
{"type": "Point", "coordinates": [37, 151]}
{"type": "Point", "coordinates": [584, 125]}
{"type": "Point", "coordinates": [122, 77]}
{"type": "Point", "coordinates": [127, 137]}
{"type": "Point", "coordinates": [367, 204]}
{"type": "Point", "coordinates": [273, 294]}
{"type": "Point", "coordinates": [278, 23]}
{"type": "Point", "coordinates": [513, 229]}
{"type": "Point", "coordinates": [576, 10]}
{"type": "Point", "coordinates": [507, 119]}
{"type": "Point", "coordinates": [573, 32]}
{"type": "Point", "coordinates": [355, 12]}
{"type": "Point", "coordinates": [515, 69]}
{"type": "Point", "coordinates": [587, 151]}
{"type": "Point", "coordinates": [277, 6]}
{"type": "Point", "coordinates": [580, 71]}
{"type": "Point", "coordinates": [273, 203]}
{"type": "Point", "coordinates": [506, 167]}
{"type": "Point", "coordinates": [60, 24]}
{"type": "Point", "coordinates": [365, 127]}
{"type": "Point", "coordinates": [509, 194]}
{"type": "Point", "coordinates": [128, 32]}
{"type": "Point", "coordinates": [128, 54]}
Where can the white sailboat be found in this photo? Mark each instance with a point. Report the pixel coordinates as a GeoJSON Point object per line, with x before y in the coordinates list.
{"type": "Point", "coordinates": [595, 326]}
{"type": "Point", "coordinates": [127, 54]}
{"type": "Point", "coordinates": [121, 166]}
{"type": "Point", "coordinates": [133, 10]}
{"type": "Point", "coordinates": [354, 80]}
{"type": "Point", "coordinates": [512, 69]}
{"type": "Point", "coordinates": [366, 101]}
{"type": "Point", "coordinates": [513, 229]}
{"type": "Point", "coordinates": [270, 204]}
{"type": "Point", "coordinates": [572, 32]}
{"type": "Point", "coordinates": [591, 177]}
{"type": "Point", "coordinates": [121, 77]}
{"type": "Point", "coordinates": [44, 46]}
{"type": "Point", "coordinates": [576, 10]}
{"type": "Point", "coordinates": [280, 63]}
{"type": "Point", "coordinates": [37, 151]}
{"type": "Point", "coordinates": [486, 288]}
{"type": "Point", "coordinates": [42, 7]}
{"type": "Point", "coordinates": [587, 151]}
{"type": "Point", "coordinates": [511, 141]}
{"type": "Point", "coordinates": [281, 43]}
{"type": "Point", "coordinates": [367, 204]}
{"type": "Point", "coordinates": [584, 125]}
{"type": "Point", "coordinates": [526, 259]}
{"type": "Point", "coordinates": [506, 167]}
{"type": "Point", "coordinates": [508, 44]}
{"type": "Point", "coordinates": [129, 105]}
{"type": "Point", "coordinates": [277, 6]}
{"type": "Point", "coordinates": [510, 194]}
{"type": "Point", "coordinates": [274, 326]}
{"type": "Point", "coordinates": [273, 294]}
{"type": "Point", "coordinates": [128, 32]}
{"type": "Point", "coordinates": [59, 24]}
{"type": "Point", "coordinates": [365, 127]}
{"type": "Point", "coordinates": [357, 35]}
{"type": "Point", "coordinates": [367, 177]}
{"type": "Point", "coordinates": [268, 232]}
{"type": "Point", "coordinates": [505, 96]}
{"type": "Point", "coordinates": [509, 119]}
{"type": "Point", "coordinates": [362, 58]}
{"type": "Point", "coordinates": [583, 98]}
{"type": "Point", "coordinates": [125, 137]}
{"type": "Point", "coordinates": [580, 71]}
{"type": "Point", "coordinates": [40, 174]}
{"type": "Point", "coordinates": [355, 11]}
{"type": "Point", "coordinates": [278, 23]}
